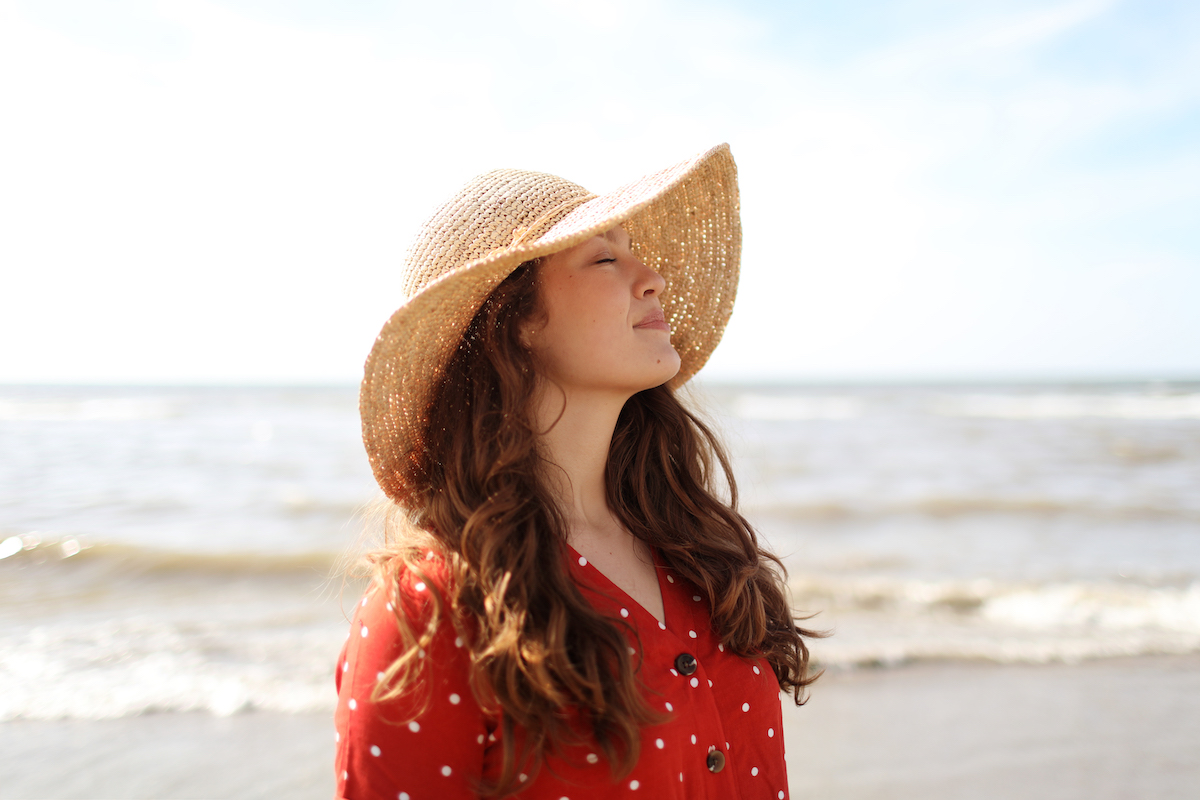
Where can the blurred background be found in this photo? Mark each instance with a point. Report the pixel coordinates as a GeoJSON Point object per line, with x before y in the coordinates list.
{"type": "Point", "coordinates": [961, 385]}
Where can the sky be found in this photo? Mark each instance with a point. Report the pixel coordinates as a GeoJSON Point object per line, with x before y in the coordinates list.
{"type": "Point", "coordinates": [222, 191]}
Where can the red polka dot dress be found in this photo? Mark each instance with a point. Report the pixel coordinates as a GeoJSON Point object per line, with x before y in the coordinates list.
{"type": "Point", "coordinates": [723, 738]}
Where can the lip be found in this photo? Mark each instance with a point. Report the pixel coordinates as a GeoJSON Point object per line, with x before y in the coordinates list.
{"type": "Point", "coordinates": [655, 320]}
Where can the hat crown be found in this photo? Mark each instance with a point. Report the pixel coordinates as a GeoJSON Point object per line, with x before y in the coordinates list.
{"type": "Point", "coordinates": [493, 212]}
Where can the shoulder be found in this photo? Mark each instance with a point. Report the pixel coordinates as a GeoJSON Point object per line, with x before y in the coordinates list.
{"type": "Point", "coordinates": [427, 739]}
{"type": "Point", "coordinates": [407, 605]}
{"type": "Point", "coordinates": [411, 587]}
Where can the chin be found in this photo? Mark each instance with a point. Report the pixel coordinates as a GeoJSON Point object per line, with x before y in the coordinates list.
{"type": "Point", "coordinates": [670, 368]}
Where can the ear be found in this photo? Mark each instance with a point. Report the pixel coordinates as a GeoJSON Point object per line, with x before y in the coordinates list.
{"type": "Point", "coordinates": [527, 331]}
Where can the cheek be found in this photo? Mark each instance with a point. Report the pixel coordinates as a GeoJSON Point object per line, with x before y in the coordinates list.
{"type": "Point", "coordinates": [580, 309]}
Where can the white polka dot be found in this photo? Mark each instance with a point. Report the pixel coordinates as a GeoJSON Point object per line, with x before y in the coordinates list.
{"type": "Point", "coordinates": [710, 683]}
{"type": "Point", "coordinates": [390, 607]}
{"type": "Point", "coordinates": [404, 796]}
{"type": "Point", "coordinates": [670, 707]}
{"type": "Point", "coordinates": [671, 579]}
{"type": "Point", "coordinates": [446, 771]}
{"type": "Point", "coordinates": [522, 777]}
{"type": "Point", "coordinates": [582, 561]}
{"type": "Point", "coordinates": [491, 737]}
{"type": "Point", "coordinates": [455, 699]}
{"type": "Point", "coordinates": [673, 672]}
{"type": "Point", "coordinates": [592, 758]}
{"type": "Point", "coordinates": [420, 652]}
{"type": "Point", "coordinates": [364, 631]}
{"type": "Point", "coordinates": [632, 652]}
{"type": "Point", "coordinates": [419, 586]}
{"type": "Point", "coordinates": [745, 706]}
{"type": "Point", "coordinates": [659, 743]}
{"type": "Point", "coordinates": [662, 625]}
{"type": "Point", "coordinates": [696, 597]}
{"type": "Point", "coordinates": [345, 775]}
{"type": "Point", "coordinates": [695, 683]}
{"type": "Point", "coordinates": [337, 736]}
{"type": "Point", "coordinates": [781, 794]}
{"type": "Point", "coordinates": [754, 770]}
{"type": "Point", "coordinates": [721, 647]}
{"type": "Point", "coordinates": [364, 602]}
{"type": "Point", "coordinates": [375, 751]}
{"type": "Point", "coordinates": [633, 784]}
{"type": "Point", "coordinates": [458, 641]}
{"type": "Point", "coordinates": [345, 666]}
{"type": "Point", "coordinates": [692, 634]}
{"type": "Point", "coordinates": [771, 732]}
{"type": "Point", "coordinates": [353, 704]}
{"type": "Point", "coordinates": [693, 738]}
{"type": "Point", "coordinates": [681, 777]}
{"type": "Point", "coordinates": [414, 726]}
{"type": "Point", "coordinates": [378, 676]}
{"type": "Point", "coordinates": [479, 738]}
{"type": "Point", "coordinates": [756, 672]}
{"type": "Point", "coordinates": [624, 612]}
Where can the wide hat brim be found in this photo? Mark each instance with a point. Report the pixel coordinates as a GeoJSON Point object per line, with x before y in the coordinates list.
{"type": "Point", "coordinates": [684, 222]}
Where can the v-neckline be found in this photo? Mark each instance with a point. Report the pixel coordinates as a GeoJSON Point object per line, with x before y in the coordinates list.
{"type": "Point", "coordinates": [658, 576]}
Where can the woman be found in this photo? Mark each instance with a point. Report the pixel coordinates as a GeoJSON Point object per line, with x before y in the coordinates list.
{"type": "Point", "coordinates": [564, 607]}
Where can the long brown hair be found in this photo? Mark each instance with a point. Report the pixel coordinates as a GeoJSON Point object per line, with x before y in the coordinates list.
{"type": "Point", "coordinates": [475, 493]}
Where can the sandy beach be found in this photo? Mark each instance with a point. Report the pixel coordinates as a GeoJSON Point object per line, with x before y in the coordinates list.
{"type": "Point", "coordinates": [1101, 730]}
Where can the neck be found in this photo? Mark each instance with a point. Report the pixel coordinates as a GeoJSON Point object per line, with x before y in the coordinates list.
{"type": "Point", "coordinates": [575, 432]}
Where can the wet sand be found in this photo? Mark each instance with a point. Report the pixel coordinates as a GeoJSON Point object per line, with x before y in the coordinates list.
{"type": "Point", "coordinates": [1119, 728]}
{"type": "Point", "coordinates": [1116, 728]}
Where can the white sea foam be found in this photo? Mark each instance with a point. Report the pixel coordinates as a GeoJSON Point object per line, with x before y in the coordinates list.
{"type": "Point", "coordinates": [882, 621]}
{"type": "Point", "coordinates": [121, 668]}
{"type": "Point", "coordinates": [1102, 608]}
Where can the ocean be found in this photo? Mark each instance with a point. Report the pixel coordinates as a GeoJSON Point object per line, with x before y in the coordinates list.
{"type": "Point", "coordinates": [176, 549]}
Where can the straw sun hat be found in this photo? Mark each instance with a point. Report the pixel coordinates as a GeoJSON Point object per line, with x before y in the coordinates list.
{"type": "Point", "coordinates": [683, 221]}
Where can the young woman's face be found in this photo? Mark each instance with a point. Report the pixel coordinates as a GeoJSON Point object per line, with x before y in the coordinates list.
{"type": "Point", "coordinates": [603, 326]}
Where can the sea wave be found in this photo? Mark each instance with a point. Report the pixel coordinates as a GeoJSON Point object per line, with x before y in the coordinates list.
{"type": "Point", "coordinates": [49, 550]}
{"type": "Point", "coordinates": [117, 668]}
{"type": "Point", "coordinates": [91, 409]}
{"type": "Point", "coordinates": [894, 648]}
{"type": "Point", "coordinates": [879, 621]}
{"type": "Point", "coordinates": [949, 505]}
{"type": "Point", "coordinates": [1128, 406]}
{"type": "Point", "coordinates": [110, 631]}
{"type": "Point", "coordinates": [1043, 606]}
{"type": "Point", "coordinates": [782, 408]}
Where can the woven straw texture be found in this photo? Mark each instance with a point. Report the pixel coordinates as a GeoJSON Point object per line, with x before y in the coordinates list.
{"type": "Point", "coordinates": [684, 222]}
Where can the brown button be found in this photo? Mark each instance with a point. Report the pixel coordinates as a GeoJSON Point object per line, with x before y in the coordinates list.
{"type": "Point", "coordinates": [685, 663]}
{"type": "Point", "coordinates": [716, 761]}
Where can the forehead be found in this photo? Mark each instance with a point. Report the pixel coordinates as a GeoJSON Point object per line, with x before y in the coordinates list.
{"type": "Point", "coordinates": [613, 236]}
{"type": "Point", "coordinates": [617, 234]}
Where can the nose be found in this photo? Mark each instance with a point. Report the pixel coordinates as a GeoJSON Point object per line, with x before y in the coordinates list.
{"type": "Point", "coordinates": [649, 282]}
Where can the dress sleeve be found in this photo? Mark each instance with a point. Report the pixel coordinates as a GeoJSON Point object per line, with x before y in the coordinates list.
{"type": "Point", "coordinates": [383, 750]}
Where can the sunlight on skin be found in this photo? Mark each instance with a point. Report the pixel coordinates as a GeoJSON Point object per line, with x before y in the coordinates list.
{"type": "Point", "coordinates": [603, 339]}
